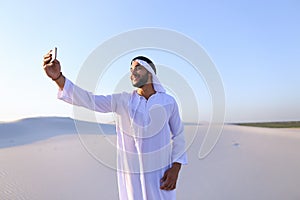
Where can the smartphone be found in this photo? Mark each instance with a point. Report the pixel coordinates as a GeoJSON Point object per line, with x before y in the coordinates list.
{"type": "Point", "coordinates": [53, 54]}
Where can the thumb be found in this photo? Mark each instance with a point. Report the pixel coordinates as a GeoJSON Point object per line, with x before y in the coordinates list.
{"type": "Point", "coordinates": [164, 177]}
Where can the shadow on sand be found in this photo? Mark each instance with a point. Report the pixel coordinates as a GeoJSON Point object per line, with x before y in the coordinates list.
{"type": "Point", "coordinates": [31, 130]}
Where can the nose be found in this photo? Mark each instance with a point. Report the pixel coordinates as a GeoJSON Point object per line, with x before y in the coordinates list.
{"type": "Point", "coordinates": [132, 70]}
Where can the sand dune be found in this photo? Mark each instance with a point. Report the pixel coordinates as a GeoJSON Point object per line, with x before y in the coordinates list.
{"type": "Point", "coordinates": [30, 130]}
{"type": "Point", "coordinates": [43, 158]}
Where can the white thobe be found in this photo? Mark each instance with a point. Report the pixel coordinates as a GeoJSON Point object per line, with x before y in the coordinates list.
{"type": "Point", "coordinates": [150, 138]}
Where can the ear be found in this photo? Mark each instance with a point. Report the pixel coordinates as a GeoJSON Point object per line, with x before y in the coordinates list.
{"type": "Point", "coordinates": [149, 77]}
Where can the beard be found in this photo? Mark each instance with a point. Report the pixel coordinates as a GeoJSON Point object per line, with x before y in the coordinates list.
{"type": "Point", "coordinates": [142, 81]}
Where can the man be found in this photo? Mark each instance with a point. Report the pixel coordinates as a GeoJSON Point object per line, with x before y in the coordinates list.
{"type": "Point", "coordinates": [150, 138]}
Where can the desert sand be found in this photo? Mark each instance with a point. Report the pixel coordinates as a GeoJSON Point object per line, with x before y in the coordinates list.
{"type": "Point", "coordinates": [45, 158]}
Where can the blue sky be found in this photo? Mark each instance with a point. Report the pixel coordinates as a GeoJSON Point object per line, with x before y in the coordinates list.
{"type": "Point", "coordinates": [253, 44]}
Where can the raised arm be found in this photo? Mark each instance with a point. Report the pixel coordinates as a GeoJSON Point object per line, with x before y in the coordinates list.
{"type": "Point", "coordinates": [73, 94]}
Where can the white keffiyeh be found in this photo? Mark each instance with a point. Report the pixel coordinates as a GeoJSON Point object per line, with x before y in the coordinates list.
{"type": "Point", "coordinates": [156, 83]}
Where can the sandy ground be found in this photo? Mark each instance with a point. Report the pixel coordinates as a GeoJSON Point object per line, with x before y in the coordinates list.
{"type": "Point", "coordinates": [45, 158]}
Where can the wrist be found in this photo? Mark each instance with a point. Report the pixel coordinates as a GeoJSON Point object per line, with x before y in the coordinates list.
{"type": "Point", "coordinates": [176, 165]}
{"type": "Point", "coordinates": [58, 77]}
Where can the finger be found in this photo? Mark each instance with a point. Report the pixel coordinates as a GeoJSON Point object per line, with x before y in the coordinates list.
{"type": "Point", "coordinates": [48, 65]}
{"type": "Point", "coordinates": [163, 178]}
{"type": "Point", "coordinates": [169, 184]}
{"type": "Point", "coordinates": [174, 186]}
{"type": "Point", "coordinates": [47, 60]}
{"type": "Point", "coordinates": [166, 187]}
{"type": "Point", "coordinates": [171, 187]}
{"type": "Point", "coordinates": [48, 54]}
{"type": "Point", "coordinates": [163, 185]}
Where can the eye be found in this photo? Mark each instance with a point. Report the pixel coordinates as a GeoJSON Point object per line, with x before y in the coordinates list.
{"type": "Point", "coordinates": [136, 68]}
{"type": "Point", "coordinates": [139, 67]}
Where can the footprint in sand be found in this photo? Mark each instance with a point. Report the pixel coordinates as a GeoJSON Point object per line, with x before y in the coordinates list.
{"type": "Point", "coordinates": [235, 144]}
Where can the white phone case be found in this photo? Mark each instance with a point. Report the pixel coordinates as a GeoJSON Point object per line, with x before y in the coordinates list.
{"type": "Point", "coordinates": [54, 54]}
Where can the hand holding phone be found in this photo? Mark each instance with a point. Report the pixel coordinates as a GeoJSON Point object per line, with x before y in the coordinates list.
{"type": "Point", "coordinates": [51, 65]}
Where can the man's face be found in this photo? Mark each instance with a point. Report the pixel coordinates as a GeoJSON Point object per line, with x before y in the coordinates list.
{"type": "Point", "coordinates": [139, 75]}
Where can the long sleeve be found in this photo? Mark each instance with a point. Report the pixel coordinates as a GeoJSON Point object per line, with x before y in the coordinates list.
{"type": "Point", "coordinates": [77, 96]}
{"type": "Point", "coordinates": [177, 129]}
